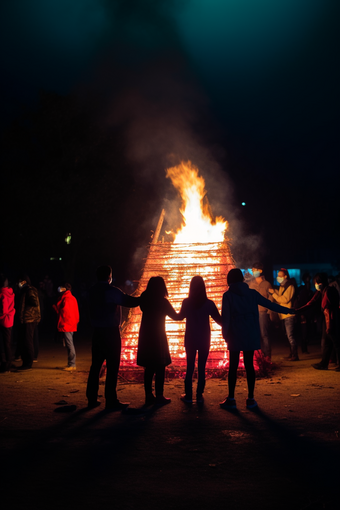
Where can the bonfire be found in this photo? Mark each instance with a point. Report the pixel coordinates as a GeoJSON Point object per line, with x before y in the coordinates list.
{"type": "Point", "coordinates": [199, 247]}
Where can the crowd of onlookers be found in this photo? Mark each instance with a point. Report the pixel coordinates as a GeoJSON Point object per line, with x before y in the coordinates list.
{"type": "Point", "coordinates": [250, 310]}
{"type": "Point", "coordinates": [22, 311]}
{"type": "Point", "coordinates": [317, 310]}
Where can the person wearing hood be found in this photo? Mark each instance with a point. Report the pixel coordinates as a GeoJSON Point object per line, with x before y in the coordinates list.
{"type": "Point", "coordinates": [285, 296]}
{"type": "Point", "coordinates": [326, 297]}
{"type": "Point", "coordinates": [241, 331]}
{"type": "Point", "coordinates": [68, 318]}
{"type": "Point", "coordinates": [29, 312]}
{"type": "Point", "coordinates": [7, 312]}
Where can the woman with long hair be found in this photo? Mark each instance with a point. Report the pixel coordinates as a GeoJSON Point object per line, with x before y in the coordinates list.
{"type": "Point", "coordinates": [197, 309]}
{"type": "Point", "coordinates": [153, 351]}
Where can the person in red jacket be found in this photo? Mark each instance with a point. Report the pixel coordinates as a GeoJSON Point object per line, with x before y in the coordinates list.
{"type": "Point", "coordinates": [7, 312]}
{"type": "Point", "coordinates": [68, 318]}
{"type": "Point", "coordinates": [327, 298]}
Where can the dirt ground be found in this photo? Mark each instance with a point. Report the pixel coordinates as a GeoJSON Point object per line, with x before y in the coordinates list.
{"type": "Point", "coordinates": [283, 455]}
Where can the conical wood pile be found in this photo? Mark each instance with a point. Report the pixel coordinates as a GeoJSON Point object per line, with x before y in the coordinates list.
{"type": "Point", "coordinates": [177, 264]}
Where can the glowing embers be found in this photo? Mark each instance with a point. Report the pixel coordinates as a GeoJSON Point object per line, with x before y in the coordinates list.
{"type": "Point", "coordinates": [177, 264]}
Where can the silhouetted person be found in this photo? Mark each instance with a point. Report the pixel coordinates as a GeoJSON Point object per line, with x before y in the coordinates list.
{"type": "Point", "coordinates": [241, 331]}
{"type": "Point", "coordinates": [327, 298]}
{"type": "Point", "coordinates": [7, 312]}
{"type": "Point", "coordinates": [197, 309]}
{"type": "Point", "coordinates": [304, 295]}
{"type": "Point", "coordinates": [332, 282]}
{"type": "Point", "coordinates": [285, 296]}
{"type": "Point", "coordinates": [105, 313]}
{"type": "Point", "coordinates": [68, 318]}
{"type": "Point", "coordinates": [153, 350]}
{"type": "Point", "coordinates": [262, 286]}
{"type": "Point", "coordinates": [29, 313]}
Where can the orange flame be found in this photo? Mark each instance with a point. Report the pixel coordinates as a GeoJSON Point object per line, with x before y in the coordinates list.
{"type": "Point", "coordinates": [198, 224]}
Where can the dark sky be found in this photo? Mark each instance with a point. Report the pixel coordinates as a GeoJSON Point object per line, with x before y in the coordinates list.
{"type": "Point", "coordinates": [249, 91]}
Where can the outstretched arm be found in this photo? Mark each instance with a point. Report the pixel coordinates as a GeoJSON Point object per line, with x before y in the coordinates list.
{"type": "Point", "coordinates": [171, 312]}
{"type": "Point", "coordinates": [316, 300]}
{"type": "Point", "coordinates": [181, 315]}
{"type": "Point", "coordinates": [215, 314]}
{"type": "Point", "coordinates": [273, 306]}
{"type": "Point", "coordinates": [116, 296]}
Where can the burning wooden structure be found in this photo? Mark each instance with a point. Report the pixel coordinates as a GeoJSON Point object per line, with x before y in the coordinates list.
{"type": "Point", "coordinates": [199, 248]}
{"type": "Point", "coordinates": [177, 264]}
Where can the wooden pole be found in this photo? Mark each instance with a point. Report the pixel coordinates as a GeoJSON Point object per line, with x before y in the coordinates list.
{"type": "Point", "coordinates": [159, 226]}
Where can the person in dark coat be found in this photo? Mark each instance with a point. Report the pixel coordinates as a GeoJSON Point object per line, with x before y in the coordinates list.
{"type": "Point", "coordinates": [105, 314]}
{"type": "Point", "coordinates": [153, 350]}
{"type": "Point", "coordinates": [326, 297]}
{"type": "Point", "coordinates": [241, 331]}
{"type": "Point", "coordinates": [7, 312]}
{"type": "Point", "coordinates": [29, 314]}
{"type": "Point", "coordinates": [197, 309]}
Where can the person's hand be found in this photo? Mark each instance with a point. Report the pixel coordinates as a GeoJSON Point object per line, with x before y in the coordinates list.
{"type": "Point", "coordinates": [271, 291]}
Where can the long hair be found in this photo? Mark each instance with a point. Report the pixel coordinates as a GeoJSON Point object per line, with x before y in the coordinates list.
{"type": "Point", "coordinates": [197, 292]}
{"type": "Point", "coordinates": [155, 291]}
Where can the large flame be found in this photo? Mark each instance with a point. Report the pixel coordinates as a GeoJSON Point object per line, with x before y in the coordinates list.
{"type": "Point", "coordinates": [198, 224]}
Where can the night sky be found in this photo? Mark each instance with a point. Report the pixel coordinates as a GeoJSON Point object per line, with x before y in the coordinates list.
{"type": "Point", "coordinates": [248, 91]}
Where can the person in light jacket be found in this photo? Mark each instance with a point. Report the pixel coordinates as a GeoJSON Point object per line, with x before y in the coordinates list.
{"type": "Point", "coordinates": [241, 331]}
{"type": "Point", "coordinates": [285, 296]}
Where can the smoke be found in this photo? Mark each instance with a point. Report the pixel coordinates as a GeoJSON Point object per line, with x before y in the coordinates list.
{"type": "Point", "coordinates": [151, 94]}
{"type": "Point", "coordinates": [129, 66]}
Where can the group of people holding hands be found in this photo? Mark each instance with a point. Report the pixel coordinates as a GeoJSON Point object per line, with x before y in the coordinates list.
{"type": "Point", "coordinates": [240, 328]}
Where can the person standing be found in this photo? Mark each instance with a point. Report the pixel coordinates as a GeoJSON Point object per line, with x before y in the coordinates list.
{"type": "Point", "coordinates": [304, 321]}
{"type": "Point", "coordinates": [29, 312]}
{"type": "Point", "coordinates": [326, 297]}
{"type": "Point", "coordinates": [105, 315]}
{"type": "Point", "coordinates": [7, 312]}
{"type": "Point", "coordinates": [68, 318]}
{"type": "Point", "coordinates": [153, 350]}
{"type": "Point", "coordinates": [241, 331]}
{"type": "Point", "coordinates": [261, 285]}
{"type": "Point", "coordinates": [285, 296]}
{"type": "Point", "coordinates": [197, 309]}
